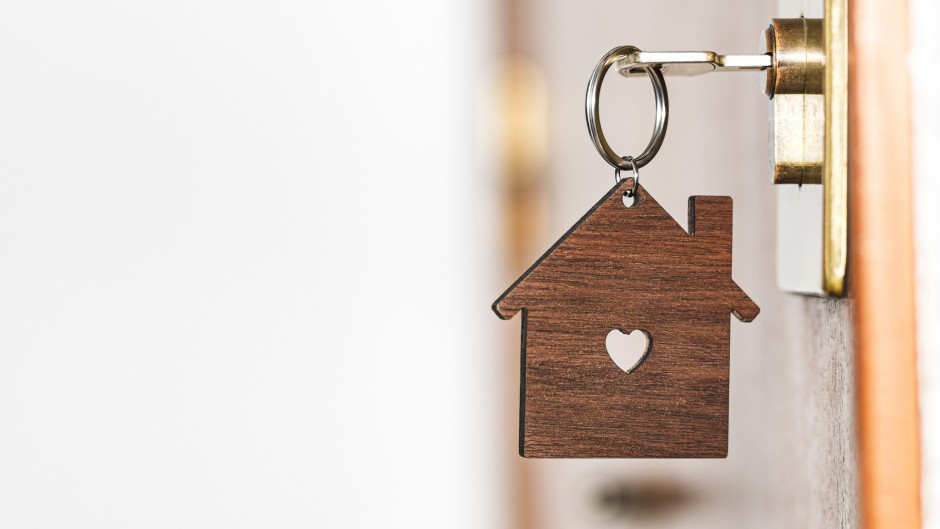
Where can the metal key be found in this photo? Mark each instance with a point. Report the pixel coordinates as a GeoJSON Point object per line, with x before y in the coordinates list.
{"type": "Point", "coordinates": [690, 63]}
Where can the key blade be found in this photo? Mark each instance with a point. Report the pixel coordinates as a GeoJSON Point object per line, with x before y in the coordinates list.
{"type": "Point", "coordinates": [689, 63]}
{"type": "Point", "coordinates": [746, 62]}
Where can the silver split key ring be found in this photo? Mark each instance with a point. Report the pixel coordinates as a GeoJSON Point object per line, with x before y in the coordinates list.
{"type": "Point", "coordinates": [592, 112]}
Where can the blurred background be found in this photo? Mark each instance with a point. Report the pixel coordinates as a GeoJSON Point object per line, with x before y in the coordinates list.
{"type": "Point", "coordinates": [248, 251]}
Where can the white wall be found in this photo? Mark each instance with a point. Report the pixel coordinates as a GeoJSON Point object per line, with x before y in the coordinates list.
{"type": "Point", "coordinates": [925, 45]}
{"type": "Point", "coordinates": [239, 281]}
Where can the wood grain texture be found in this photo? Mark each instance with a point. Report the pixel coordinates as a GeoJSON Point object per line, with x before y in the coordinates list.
{"type": "Point", "coordinates": [627, 269]}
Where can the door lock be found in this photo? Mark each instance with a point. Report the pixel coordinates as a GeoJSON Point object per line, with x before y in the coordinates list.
{"type": "Point", "coordinates": [793, 65]}
{"type": "Point", "coordinates": [804, 65]}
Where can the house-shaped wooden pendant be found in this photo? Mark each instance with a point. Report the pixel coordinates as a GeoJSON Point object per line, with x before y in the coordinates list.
{"type": "Point", "coordinates": [626, 269]}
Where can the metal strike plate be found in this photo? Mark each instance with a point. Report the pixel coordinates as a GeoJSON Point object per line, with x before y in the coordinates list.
{"type": "Point", "coordinates": [836, 156]}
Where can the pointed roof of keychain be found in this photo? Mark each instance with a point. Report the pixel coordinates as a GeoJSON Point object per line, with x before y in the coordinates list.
{"type": "Point", "coordinates": [639, 252]}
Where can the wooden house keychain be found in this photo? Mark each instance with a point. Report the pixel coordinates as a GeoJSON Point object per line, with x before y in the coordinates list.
{"type": "Point", "coordinates": [627, 270]}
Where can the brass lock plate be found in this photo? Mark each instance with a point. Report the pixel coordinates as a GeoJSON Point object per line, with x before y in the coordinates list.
{"type": "Point", "coordinates": [836, 158]}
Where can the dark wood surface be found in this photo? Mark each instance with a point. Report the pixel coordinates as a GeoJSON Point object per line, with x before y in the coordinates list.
{"type": "Point", "coordinates": [627, 269]}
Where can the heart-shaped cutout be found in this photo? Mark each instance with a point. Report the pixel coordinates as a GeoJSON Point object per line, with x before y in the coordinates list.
{"type": "Point", "coordinates": [628, 349]}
